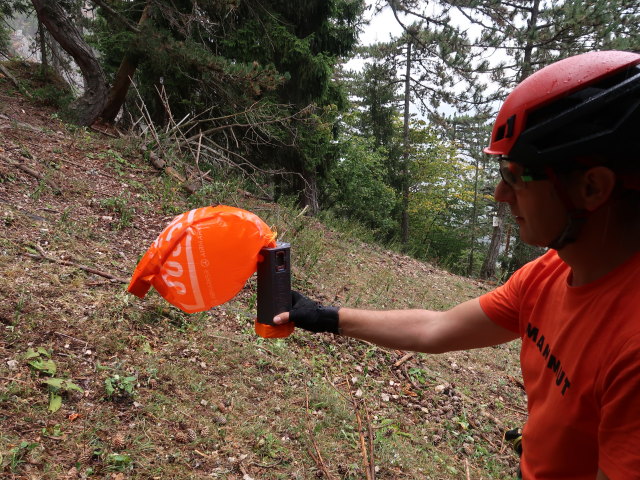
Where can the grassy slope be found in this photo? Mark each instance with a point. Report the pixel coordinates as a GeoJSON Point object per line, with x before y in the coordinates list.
{"type": "Point", "coordinates": [210, 399]}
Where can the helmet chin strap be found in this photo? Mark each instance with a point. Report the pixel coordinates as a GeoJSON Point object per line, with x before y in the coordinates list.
{"type": "Point", "coordinates": [576, 217]}
{"type": "Point", "coordinates": [575, 220]}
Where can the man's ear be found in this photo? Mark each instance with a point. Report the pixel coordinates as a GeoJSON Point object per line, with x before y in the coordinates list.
{"type": "Point", "coordinates": [596, 187]}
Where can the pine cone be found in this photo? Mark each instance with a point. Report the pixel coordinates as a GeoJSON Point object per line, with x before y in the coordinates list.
{"type": "Point", "coordinates": [192, 434]}
{"type": "Point", "coordinates": [85, 456]}
{"type": "Point", "coordinates": [71, 474]}
{"type": "Point", "coordinates": [118, 441]}
{"type": "Point", "coordinates": [204, 431]}
{"type": "Point", "coordinates": [181, 437]}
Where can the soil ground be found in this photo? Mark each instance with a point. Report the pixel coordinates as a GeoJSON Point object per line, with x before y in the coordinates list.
{"type": "Point", "coordinates": [149, 392]}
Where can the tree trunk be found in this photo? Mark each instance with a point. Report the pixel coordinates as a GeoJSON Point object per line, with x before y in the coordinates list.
{"type": "Point", "coordinates": [43, 49]}
{"type": "Point", "coordinates": [405, 155]}
{"type": "Point", "coordinates": [57, 21]}
{"type": "Point", "coordinates": [474, 214]}
{"type": "Point", "coordinates": [310, 193]}
{"type": "Point", "coordinates": [122, 82]}
{"type": "Point", "coordinates": [489, 266]}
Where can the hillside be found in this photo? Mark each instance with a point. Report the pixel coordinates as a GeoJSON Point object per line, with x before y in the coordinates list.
{"type": "Point", "coordinates": [152, 393]}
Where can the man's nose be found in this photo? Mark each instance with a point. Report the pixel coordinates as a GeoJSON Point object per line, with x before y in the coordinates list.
{"type": "Point", "coordinates": [503, 192]}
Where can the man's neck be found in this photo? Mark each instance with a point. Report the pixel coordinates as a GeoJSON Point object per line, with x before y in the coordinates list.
{"type": "Point", "coordinates": [601, 248]}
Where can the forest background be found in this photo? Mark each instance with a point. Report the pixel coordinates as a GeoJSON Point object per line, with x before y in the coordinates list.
{"type": "Point", "coordinates": [261, 89]}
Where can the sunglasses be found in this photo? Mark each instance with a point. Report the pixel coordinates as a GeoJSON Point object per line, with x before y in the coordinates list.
{"type": "Point", "coordinates": [517, 176]}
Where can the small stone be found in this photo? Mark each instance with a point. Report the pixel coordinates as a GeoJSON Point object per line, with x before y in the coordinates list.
{"type": "Point", "coordinates": [385, 397]}
{"type": "Point", "coordinates": [12, 364]}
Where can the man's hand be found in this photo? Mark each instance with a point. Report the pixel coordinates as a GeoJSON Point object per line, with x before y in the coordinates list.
{"type": "Point", "coordinates": [310, 315]}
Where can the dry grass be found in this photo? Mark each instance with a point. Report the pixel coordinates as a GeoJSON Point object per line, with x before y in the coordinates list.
{"type": "Point", "coordinates": [201, 396]}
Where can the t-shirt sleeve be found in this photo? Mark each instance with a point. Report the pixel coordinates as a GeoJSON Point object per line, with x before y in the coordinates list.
{"type": "Point", "coordinates": [502, 305]}
{"type": "Point", "coordinates": [619, 430]}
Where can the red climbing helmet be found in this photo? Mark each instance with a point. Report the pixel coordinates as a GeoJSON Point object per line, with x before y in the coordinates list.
{"type": "Point", "coordinates": [584, 105]}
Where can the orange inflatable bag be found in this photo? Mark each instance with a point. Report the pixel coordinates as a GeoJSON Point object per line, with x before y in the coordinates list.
{"type": "Point", "coordinates": [203, 257]}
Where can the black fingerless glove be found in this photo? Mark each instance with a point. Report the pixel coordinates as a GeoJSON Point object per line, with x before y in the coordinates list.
{"type": "Point", "coordinates": [310, 315]}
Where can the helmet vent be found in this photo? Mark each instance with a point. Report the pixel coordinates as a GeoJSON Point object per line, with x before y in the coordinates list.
{"type": "Point", "coordinates": [506, 130]}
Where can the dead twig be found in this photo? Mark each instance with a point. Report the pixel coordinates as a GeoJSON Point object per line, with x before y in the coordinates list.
{"type": "Point", "coordinates": [318, 459]}
{"type": "Point", "coordinates": [517, 382]}
{"type": "Point", "coordinates": [103, 131]}
{"type": "Point", "coordinates": [72, 338]}
{"type": "Point", "coordinates": [77, 265]}
{"type": "Point", "coordinates": [367, 453]}
{"type": "Point", "coordinates": [516, 410]}
{"type": "Point", "coordinates": [14, 380]}
{"type": "Point", "coordinates": [406, 357]}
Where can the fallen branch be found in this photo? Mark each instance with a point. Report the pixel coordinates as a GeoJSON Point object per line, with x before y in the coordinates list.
{"type": "Point", "coordinates": [78, 265]}
{"type": "Point", "coordinates": [32, 172]}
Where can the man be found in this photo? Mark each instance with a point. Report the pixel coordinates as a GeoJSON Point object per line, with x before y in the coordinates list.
{"type": "Point", "coordinates": [568, 142]}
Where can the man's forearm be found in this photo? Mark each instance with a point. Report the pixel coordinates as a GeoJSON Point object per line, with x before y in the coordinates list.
{"type": "Point", "coordinates": [464, 326]}
{"type": "Point", "coordinates": [398, 329]}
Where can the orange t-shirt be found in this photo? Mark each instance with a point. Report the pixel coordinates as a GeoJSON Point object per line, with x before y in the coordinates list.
{"type": "Point", "coordinates": [580, 363]}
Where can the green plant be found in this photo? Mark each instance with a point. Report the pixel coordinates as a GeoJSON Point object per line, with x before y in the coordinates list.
{"type": "Point", "coordinates": [40, 361]}
{"type": "Point", "coordinates": [119, 462]}
{"type": "Point", "coordinates": [269, 445]}
{"type": "Point", "coordinates": [50, 95]}
{"type": "Point", "coordinates": [116, 161]}
{"type": "Point", "coordinates": [121, 207]}
{"type": "Point", "coordinates": [53, 431]}
{"type": "Point", "coordinates": [18, 454]}
{"type": "Point", "coordinates": [57, 386]}
{"type": "Point", "coordinates": [118, 387]}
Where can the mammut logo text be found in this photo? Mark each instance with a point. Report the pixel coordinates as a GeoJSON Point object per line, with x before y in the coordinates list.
{"type": "Point", "coordinates": [553, 363]}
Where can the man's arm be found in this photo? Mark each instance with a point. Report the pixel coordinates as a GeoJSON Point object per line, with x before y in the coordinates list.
{"type": "Point", "coordinates": [464, 326]}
